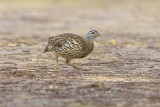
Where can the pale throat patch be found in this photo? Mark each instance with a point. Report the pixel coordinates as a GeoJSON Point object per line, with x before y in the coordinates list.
{"type": "Point", "coordinates": [90, 38]}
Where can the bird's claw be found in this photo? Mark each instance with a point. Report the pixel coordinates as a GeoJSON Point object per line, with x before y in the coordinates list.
{"type": "Point", "coordinates": [83, 69]}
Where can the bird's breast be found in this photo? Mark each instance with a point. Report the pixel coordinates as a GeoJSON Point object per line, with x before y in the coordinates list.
{"type": "Point", "coordinates": [88, 50]}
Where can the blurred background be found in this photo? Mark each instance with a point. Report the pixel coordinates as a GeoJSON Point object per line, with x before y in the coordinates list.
{"type": "Point", "coordinates": [50, 17]}
{"type": "Point", "coordinates": [125, 61]}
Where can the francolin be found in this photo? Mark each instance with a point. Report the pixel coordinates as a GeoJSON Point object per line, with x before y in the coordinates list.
{"type": "Point", "coordinates": [71, 46]}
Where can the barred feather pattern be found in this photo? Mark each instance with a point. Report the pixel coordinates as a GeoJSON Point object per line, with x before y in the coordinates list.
{"type": "Point", "coordinates": [69, 46]}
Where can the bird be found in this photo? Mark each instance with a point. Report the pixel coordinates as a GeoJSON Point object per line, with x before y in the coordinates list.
{"type": "Point", "coordinates": [71, 46]}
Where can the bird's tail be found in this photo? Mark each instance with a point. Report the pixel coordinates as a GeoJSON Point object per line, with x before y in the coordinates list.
{"type": "Point", "coordinates": [47, 48]}
{"type": "Point", "coordinates": [50, 45]}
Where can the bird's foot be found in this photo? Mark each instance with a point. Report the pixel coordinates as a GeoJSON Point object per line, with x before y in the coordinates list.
{"type": "Point", "coordinates": [75, 67]}
{"type": "Point", "coordinates": [86, 69]}
{"type": "Point", "coordinates": [83, 69]}
{"type": "Point", "coordinates": [56, 68]}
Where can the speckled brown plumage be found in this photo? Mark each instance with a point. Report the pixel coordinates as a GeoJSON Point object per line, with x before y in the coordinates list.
{"type": "Point", "coordinates": [71, 46]}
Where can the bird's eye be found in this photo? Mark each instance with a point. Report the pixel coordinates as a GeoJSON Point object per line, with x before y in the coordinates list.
{"type": "Point", "coordinates": [93, 32]}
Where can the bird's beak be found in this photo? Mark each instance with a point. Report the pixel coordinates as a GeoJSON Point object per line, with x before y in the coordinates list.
{"type": "Point", "coordinates": [98, 34]}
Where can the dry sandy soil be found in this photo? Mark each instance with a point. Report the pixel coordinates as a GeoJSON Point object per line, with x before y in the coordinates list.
{"type": "Point", "coordinates": [125, 63]}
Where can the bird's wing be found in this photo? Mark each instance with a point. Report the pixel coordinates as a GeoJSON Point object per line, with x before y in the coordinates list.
{"type": "Point", "coordinates": [70, 44]}
{"type": "Point", "coordinates": [67, 44]}
{"type": "Point", "coordinates": [59, 40]}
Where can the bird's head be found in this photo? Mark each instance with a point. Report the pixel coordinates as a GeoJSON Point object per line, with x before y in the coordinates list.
{"type": "Point", "coordinates": [91, 35]}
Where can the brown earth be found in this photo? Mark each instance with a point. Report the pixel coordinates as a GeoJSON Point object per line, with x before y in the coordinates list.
{"type": "Point", "coordinates": [125, 63]}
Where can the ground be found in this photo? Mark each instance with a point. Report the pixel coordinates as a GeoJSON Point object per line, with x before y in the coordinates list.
{"type": "Point", "coordinates": [125, 62]}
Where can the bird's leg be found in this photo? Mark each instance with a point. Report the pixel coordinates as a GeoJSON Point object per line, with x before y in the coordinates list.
{"type": "Point", "coordinates": [56, 62]}
{"type": "Point", "coordinates": [69, 63]}
{"type": "Point", "coordinates": [75, 67]}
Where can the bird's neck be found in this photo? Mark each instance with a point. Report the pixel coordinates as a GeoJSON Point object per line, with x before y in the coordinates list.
{"type": "Point", "coordinates": [90, 46]}
{"type": "Point", "coordinates": [89, 38]}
